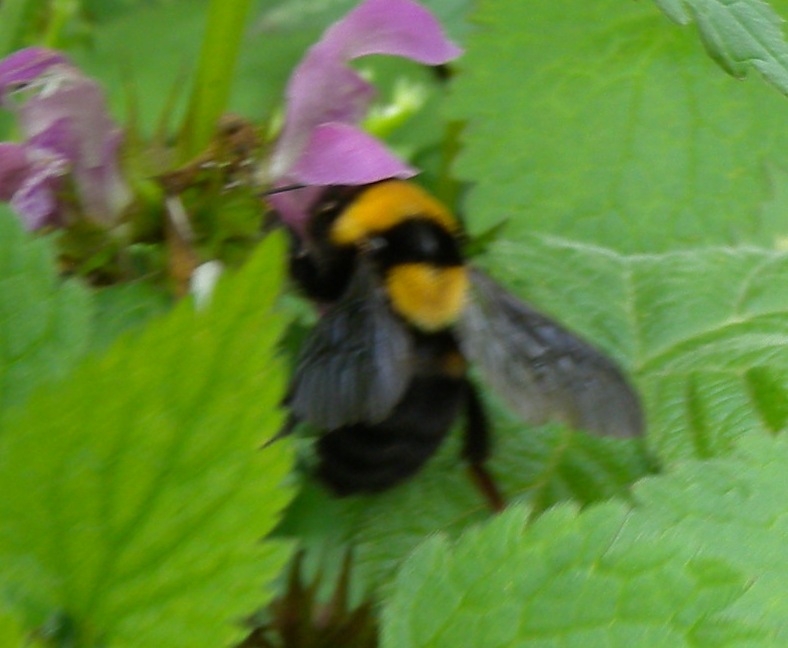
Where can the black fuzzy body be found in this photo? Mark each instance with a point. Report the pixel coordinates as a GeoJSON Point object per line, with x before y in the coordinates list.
{"type": "Point", "coordinates": [383, 372]}
{"type": "Point", "coordinates": [371, 456]}
{"type": "Point", "coordinates": [374, 457]}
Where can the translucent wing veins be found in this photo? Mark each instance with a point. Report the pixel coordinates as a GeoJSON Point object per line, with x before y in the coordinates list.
{"type": "Point", "coordinates": [542, 370]}
{"type": "Point", "coordinates": [357, 361]}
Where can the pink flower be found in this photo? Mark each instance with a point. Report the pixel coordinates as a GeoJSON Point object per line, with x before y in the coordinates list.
{"type": "Point", "coordinates": [68, 134]}
{"type": "Point", "coordinates": [320, 143]}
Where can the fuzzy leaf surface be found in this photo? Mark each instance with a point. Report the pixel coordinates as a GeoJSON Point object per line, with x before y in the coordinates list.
{"type": "Point", "coordinates": [737, 35]}
{"type": "Point", "coordinates": [135, 492]}
{"type": "Point", "coordinates": [734, 509]}
{"type": "Point", "coordinates": [702, 336]}
{"type": "Point", "coordinates": [659, 574]}
{"type": "Point", "coordinates": [702, 332]}
{"type": "Point", "coordinates": [603, 123]}
{"type": "Point", "coordinates": [540, 466]}
{"type": "Point", "coordinates": [45, 323]}
{"type": "Point", "coordinates": [568, 580]}
{"type": "Point", "coordinates": [11, 633]}
{"type": "Point", "coordinates": [126, 307]}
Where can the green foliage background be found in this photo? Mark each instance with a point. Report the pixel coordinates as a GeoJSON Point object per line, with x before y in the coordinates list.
{"type": "Point", "coordinates": [134, 492]}
{"type": "Point", "coordinates": [625, 163]}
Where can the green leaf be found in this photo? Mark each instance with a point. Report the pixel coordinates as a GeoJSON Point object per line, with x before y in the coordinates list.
{"type": "Point", "coordinates": [125, 307]}
{"type": "Point", "coordinates": [703, 332]}
{"type": "Point", "coordinates": [135, 493]}
{"type": "Point", "coordinates": [101, 10]}
{"type": "Point", "coordinates": [540, 466]}
{"type": "Point", "coordinates": [11, 633]}
{"type": "Point", "coordinates": [120, 56]}
{"type": "Point", "coordinates": [569, 580]}
{"type": "Point", "coordinates": [734, 508]}
{"type": "Point", "coordinates": [602, 123]}
{"type": "Point", "coordinates": [12, 21]}
{"type": "Point", "coordinates": [552, 464]}
{"type": "Point", "coordinates": [140, 80]}
{"type": "Point", "coordinates": [45, 323]}
{"type": "Point", "coordinates": [738, 35]}
{"type": "Point", "coordinates": [700, 561]}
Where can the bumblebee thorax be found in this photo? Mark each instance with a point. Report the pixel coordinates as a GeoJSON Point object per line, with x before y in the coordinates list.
{"type": "Point", "coordinates": [383, 206]}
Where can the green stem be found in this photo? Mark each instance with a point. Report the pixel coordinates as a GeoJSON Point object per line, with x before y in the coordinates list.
{"type": "Point", "coordinates": [60, 13]}
{"type": "Point", "coordinates": [224, 34]}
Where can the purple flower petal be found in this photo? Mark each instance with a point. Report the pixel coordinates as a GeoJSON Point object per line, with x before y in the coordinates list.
{"type": "Point", "coordinates": [293, 206]}
{"type": "Point", "coordinates": [394, 27]}
{"type": "Point", "coordinates": [64, 113]}
{"type": "Point", "coordinates": [102, 189]}
{"type": "Point", "coordinates": [13, 168]}
{"type": "Point", "coordinates": [36, 202]}
{"type": "Point", "coordinates": [323, 89]}
{"type": "Point", "coordinates": [26, 65]}
{"type": "Point", "coordinates": [320, 90]}
{"type": "Point", "coordinates": [75, 105]}
{"type": "Point", "coordinates": [36, 197]}
{"type": "Point", "coordinates": [344, 155]}
{"type": "Point", "coordinates": [336, 154]}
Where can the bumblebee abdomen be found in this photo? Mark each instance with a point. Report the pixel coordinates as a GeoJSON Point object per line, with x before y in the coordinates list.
{"type": "Point", "coordinates": [368, 458]}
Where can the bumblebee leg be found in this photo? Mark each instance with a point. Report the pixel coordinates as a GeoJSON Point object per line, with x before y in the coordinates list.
{"type": "Point", "coordinates": [286, 430]}
{"type": "Point", "coordinates": [476, 449]}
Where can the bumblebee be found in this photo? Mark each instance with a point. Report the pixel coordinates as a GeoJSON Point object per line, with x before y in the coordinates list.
{"type": "Point", "coordinates": [384, 372]}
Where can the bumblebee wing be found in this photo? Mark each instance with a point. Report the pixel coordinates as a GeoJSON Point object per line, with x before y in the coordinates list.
{"type": "Point", "coordinates": [542, 370]}
{"type": "Point", "coordinates": [356, 363]}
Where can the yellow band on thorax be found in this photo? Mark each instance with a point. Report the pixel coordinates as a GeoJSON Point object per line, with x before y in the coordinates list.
{"type": "Point", "coordinates": [385, 205]}
{"type": "Point", "coordinates": [429, 297]}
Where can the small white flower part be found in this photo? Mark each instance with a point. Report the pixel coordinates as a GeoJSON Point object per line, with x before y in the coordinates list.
{"type": "Point", "coordinates": [203, 282]}
{"type": "Point", "coordinates": [408, 99]}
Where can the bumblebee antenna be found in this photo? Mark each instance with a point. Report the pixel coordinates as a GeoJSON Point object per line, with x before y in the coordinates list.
{"type": "Point", "coordinates": [284, 189]}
